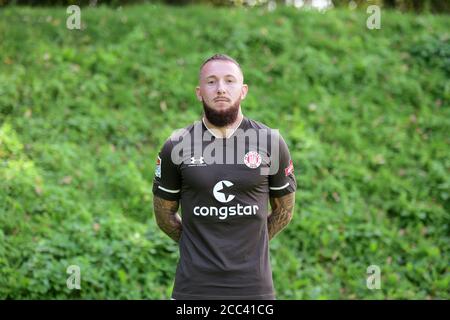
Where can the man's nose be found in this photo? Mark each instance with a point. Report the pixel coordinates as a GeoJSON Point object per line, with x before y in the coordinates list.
{"type": "Point", "coordinates": [220, 87]}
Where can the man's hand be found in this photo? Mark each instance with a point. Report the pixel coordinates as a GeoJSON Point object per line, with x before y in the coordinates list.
{"type": "Point", "coordinates": [282, 210]}
{"type": "Point", "coordinates": [167, 218]}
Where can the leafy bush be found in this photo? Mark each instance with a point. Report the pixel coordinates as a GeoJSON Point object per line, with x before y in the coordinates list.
{"type": "Point", "coordinates": [83, 114]}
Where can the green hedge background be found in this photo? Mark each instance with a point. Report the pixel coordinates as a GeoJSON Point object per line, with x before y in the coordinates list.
{"type": "Point", "coordinates": [436, 6]}
{"type": "Point", "coordinates": [83, 114]}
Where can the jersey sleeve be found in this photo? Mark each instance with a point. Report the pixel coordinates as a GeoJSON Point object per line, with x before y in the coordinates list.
{"type": "Point", "coordinates": [283, 181]}
{"type": "Point", "coordinates": [167, 181]}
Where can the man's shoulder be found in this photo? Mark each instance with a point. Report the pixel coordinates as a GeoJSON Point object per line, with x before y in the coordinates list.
{"type": "Point", "coordinates": [176, 136]}
{"type": "Point", "coordinates": [258, 125]}
{"type": "Point", "coordinates": [180, 133]}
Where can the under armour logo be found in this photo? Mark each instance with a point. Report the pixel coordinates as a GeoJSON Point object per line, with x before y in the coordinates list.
{"type": "Point", "coordinates": [218, 192]}
{"type": "Point", "coordinates": [197, 161]}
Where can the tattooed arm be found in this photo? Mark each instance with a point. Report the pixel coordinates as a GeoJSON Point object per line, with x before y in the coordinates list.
{"type": "Point", "coordinates": [167, 218]}
{"type": "Point", "coordinates": [282, 210]}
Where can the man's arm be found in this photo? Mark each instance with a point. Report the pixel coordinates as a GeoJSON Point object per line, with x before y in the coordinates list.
{"type": "Point", "coordinates": [282, 210]}
{"type": "Point", "coordinates": [167, 218]}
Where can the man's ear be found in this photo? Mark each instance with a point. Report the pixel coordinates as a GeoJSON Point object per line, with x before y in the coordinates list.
{"type": "Point", "coordinates": [197, 93]}
{"type": "Point", "coordinates": [244, 91]}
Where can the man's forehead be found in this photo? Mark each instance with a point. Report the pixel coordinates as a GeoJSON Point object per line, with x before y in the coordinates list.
{"type": "Point", "coordinates": [220, 68]}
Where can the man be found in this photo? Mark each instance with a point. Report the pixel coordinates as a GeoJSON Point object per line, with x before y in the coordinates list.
{"type": "Point", "coordinates": [223, 170]}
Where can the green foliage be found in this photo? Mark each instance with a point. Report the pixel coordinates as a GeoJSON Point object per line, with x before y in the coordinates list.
{"type": "Point", "coordinates": [436, 6]}
{"type": "Point", "coordinates": [433, 52]}
{"type": "Point", "coordinates": [83, 114]}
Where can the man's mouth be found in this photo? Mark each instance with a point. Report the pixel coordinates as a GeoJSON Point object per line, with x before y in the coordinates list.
{"type": "Point", "coordinates": [221, 99]}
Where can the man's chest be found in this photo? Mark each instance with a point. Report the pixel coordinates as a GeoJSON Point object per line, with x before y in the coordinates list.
{"type": "Point", "coordinates": [240, 169]}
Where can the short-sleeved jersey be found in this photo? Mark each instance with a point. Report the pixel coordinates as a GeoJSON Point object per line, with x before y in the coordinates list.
{"type": "Point", "coordinates": [224, 185]}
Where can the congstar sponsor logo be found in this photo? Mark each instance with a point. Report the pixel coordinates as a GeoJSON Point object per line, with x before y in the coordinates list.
{"type": "Point", "coordinates": [221, 192]}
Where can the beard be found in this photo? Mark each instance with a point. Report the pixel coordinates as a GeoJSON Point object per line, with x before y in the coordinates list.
{"type": "Point", "coordinates": [221, 118]}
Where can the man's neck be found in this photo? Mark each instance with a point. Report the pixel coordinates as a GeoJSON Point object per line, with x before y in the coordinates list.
{"type": "Point", "coordinates": [225, 131]}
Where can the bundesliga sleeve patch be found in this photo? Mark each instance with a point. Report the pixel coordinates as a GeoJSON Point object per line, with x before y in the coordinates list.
{"type": "Point", "coordinates": [158, 168]}
{"type": "Point", "coordinates": [289, 169]}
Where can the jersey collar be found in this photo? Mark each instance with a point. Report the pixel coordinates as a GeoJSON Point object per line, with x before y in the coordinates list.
{"type": "Point", "coordinates": [231, 133]}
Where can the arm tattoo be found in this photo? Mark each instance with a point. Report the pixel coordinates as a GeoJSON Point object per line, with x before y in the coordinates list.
{"type": "Point", "coordinates": [282, 210]}
{"type": "Point", "coordinates": [167, 218]}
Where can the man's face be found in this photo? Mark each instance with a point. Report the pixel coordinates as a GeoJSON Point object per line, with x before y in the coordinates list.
{"type": "Point", "coordinates": [221, 90]}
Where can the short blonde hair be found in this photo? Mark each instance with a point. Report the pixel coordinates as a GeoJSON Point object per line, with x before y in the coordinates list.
{"type": "Point", "coordinates": [222, 57]}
